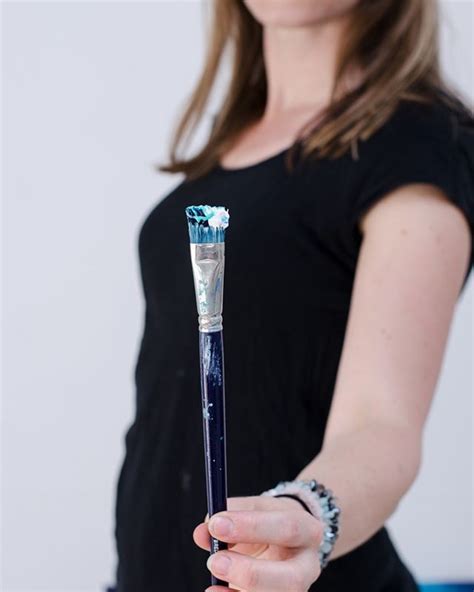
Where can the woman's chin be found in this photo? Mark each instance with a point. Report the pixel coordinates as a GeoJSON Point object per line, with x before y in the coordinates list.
{"type": "Point", "coordinates": [303, 13]}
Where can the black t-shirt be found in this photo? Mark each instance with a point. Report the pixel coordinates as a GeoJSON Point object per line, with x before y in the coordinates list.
{"type": "Point", "coordinates": [291, 254]}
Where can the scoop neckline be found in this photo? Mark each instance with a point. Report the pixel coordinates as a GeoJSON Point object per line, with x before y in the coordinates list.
{"type": "Point", "coordinates": [254, 165]}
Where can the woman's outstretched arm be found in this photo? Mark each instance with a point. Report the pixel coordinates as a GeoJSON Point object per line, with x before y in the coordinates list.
{"type": "Point", "coordinates": [411, 265]}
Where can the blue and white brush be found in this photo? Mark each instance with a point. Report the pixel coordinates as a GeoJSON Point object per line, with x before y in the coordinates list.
{"type": "Point", "coordinates": [207, 226]}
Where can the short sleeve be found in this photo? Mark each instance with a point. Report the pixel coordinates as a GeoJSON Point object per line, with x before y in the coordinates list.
{"type": "Point", "coordinates": [420, 144]}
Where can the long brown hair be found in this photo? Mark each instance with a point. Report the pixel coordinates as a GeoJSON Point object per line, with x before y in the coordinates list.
{"type": "Point", "coordinates": [395, 42]}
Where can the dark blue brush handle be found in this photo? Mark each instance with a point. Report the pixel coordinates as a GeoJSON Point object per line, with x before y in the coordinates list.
{"type": "Point", "coordinates": [211, 350]}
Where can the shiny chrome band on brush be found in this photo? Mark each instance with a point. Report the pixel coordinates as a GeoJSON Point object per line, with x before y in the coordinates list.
{"type": "Point", "coordinates": [207, 260]}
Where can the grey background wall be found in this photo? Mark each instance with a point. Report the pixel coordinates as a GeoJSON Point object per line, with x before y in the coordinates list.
{"type": "Point", "coordinates": [90, 91]}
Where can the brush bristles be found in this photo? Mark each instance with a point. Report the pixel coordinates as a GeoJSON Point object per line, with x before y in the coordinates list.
{"type": "Point", "coordinates": [207, 224]}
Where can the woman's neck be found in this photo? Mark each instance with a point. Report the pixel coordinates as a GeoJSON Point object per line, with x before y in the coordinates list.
{"type": "Point", "coordinates": [301, 64]}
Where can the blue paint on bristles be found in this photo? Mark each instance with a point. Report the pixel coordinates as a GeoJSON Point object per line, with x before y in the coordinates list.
{"type": "Point", "coordinates": [207, 224]}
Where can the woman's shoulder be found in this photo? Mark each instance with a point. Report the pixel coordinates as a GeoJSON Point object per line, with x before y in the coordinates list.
{"type": "Point", "coordinates": [416, 123]}
{"type": "Point", "coordinates": [427, 143]}
{"type": "Point", "coordinates": [419, 143]}
{"type": "Point", "coordinates": [422, 142]}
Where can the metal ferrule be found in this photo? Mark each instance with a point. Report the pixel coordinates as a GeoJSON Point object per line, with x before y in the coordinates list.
{"type": "Point", "coordinates": [208, 270]}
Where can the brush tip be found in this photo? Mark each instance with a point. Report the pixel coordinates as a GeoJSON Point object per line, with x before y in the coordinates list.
{"type": "Point", "coordinates": [207, 224]}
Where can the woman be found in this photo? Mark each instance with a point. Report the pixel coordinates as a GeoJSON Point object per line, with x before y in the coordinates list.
{"type": "Point", "coordinates": [344, 162]}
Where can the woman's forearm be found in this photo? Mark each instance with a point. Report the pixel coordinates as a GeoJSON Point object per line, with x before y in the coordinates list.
{"type": "Point", "coordinates": [368, 470]}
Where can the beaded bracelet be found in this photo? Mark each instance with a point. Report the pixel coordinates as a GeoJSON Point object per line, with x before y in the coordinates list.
{"type": "Point", "coordinates": [320, 502]}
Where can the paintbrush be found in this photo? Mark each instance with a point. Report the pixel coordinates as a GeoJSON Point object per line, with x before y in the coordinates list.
{"type": "Point", "coordinates": [207, 226]}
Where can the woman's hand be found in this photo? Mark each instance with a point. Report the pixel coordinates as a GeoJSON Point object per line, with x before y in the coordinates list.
{"type": "Point", "coordinates": [273, 545]}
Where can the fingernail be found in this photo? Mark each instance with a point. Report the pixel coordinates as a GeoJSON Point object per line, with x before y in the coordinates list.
{"type": "Point", "coordinates": [221, 525]}
{"type": "Point", "coordinates": [219, 564]}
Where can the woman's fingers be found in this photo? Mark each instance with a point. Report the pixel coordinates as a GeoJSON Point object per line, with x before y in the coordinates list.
{"type": "Point", "coordinates": [262, 521]}
{"type": "Point", "coordinates": [264, 575]}
{"type": "Point", "coordinates": [285, 528]}
{"type": "Point", "coordinates": [202, 537]}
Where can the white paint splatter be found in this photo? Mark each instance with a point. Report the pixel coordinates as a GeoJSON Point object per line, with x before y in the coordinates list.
{"type": "Point", "coordinates": [219, 218]}
{"type": "Point", "coordinates": [212, 367]}
{"type": "Point", "coordinates": [205, 411]}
